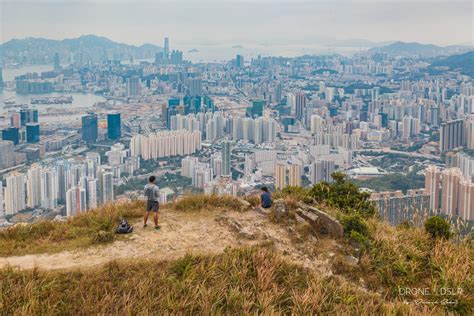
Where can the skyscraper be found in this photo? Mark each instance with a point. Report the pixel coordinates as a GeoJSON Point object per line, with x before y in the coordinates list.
{"type": "Point", "coordinates": [451, 135]}
{"type": "Point", "coordinates": [15, 193]}
{"type": "Point", "coordinates": [33, 186]}
{"type": "Point", "coordinates": [75, 201]}
{"type": "Point", "coordinates": [15, 120]}
{"type": "Point", "coordinates": [91, 193]}
{"type": "Point", "coordinates": [133, 86]}
{"type": "Point", "coordinates": [280, 175]}
{"type": "Point", "coordinates": [56, 63]}
{"type": "Point", "coordinates": [176, 57]}
{"type": "Point", "coordinates": [2, 209]}
{"type": "Point", "coordinates": [321, 170]}
{"type": "Point", "coordinates": [466, 203]}
{"type": "Point", "coordinates": [89, 128]}
{"type": "Point", "coordinates": [300, 105]}
{"type": "Point", "coordinates": [226, 152]}
{"type": "Point", "coordinates": [278, 92]}
{"type": "Point", "coordinates": [294, 175]}
{"type": "Point", "coordinates": [195, 87]}
{"type": "Point", "coordinates": [166, 49]}
{"type": "Point", "coordinates": [470, 132]}
{"type": "Point", "coordinates": [49, 189]}
{"type": "Point", "coordinates": [291, 103]}
{"type": "Point", "coordinates": [411, 127]}
{"type": "Point", "coordinates": [11, 134]}
{"type": "Point", "coordinates": [239, 61]}
{"type": "Point", "coordinates": [62, 170]}
{"type": "Point", "coordinates": [256, 109]}
{"type": "Point", "coordinates": [107, 187]}
{"type": "Point", "coordinates": [28, 116]}
{"type": "Point", "coordinates": [450, 191]}
{"type": "Point", "coordinates": [32, 132]}
{"type": "Point", "coordinates": [316, 124]}
{"type": "Point", "coordinates": [113, 126]}
{"type": "Point", "coordinates": [7, 154]}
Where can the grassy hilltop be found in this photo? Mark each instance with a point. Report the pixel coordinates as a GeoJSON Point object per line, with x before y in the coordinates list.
{"type": "Point", "coordinates": [243, 279]}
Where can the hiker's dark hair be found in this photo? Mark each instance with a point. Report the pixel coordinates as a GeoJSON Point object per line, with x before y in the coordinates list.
{"type": "Point", "coordinates": [264, 189]}
{"type": "Point", "coordinates": [152, 179]}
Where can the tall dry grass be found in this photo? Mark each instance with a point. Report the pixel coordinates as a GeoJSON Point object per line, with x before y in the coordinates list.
{"type": "Point", "coordinates": [406, 257]}
{"type": "Point", "coordinates": [201, 202]}
{"type": "Point", "coordinates": [85, 229]}
{"type": "Point", "coordinates": [239, 281]}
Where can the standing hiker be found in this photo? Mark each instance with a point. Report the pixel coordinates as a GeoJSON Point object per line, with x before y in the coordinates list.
{"type": "Point", "coordinates": [152, 193]}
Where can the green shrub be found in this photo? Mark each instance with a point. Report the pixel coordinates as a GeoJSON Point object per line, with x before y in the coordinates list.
{"type": "Point", "coordinates": [438, 227]}
{"type": "Point", "coordinates": [344, 195]}
{"type": "Point", "coordinates": [363, 243]}
{"type": "Point", "coordinates": [354, 223]}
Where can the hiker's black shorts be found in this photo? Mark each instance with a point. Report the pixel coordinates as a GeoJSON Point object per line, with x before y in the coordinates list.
{"type": "Point", "coordinates": [152, 206]}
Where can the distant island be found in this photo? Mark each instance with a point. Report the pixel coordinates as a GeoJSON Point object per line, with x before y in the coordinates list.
{"type": "Point", "coordinates": [237, 46]}
{"type": "Point", "coordinates": [194, 50]}
{"type": "Point", "coordinates": [90, 47]}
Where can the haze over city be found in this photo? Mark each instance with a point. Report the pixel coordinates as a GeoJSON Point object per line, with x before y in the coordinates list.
{"type": "Point", "coordinates": [192, 22]}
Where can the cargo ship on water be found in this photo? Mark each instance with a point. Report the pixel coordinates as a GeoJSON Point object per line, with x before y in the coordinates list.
{"type": "Point", "coordinates": [53, 100]}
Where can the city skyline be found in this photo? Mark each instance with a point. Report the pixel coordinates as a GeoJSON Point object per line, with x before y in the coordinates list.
{"type": "Point", "coordinates": [299, 23]}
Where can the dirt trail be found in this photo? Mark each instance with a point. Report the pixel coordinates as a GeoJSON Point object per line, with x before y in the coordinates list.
{"type": "Point", "coordinates": [181, 233]}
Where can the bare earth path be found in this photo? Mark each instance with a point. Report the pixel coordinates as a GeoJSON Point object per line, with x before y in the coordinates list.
{"type": "Point", "coordinates": [181, 233]}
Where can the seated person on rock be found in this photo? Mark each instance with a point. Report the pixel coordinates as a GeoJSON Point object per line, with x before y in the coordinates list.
{"type": "Point", "coordinates": [265, 198]}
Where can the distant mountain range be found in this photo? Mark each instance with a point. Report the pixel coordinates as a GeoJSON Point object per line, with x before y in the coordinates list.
{"type": "Point", "coordinates": [463, 62]}
{"type": "Point", "coordinates": [421, 50]}
{"type": "Point", "coordinates": [85, 48]}
{"type": "Point", "coordinates": [363, 43]}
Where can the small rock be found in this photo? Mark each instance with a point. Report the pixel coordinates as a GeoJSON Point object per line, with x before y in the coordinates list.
{"type": "Point", "coordinates": [280, 209]}
{"type": "Point", "coordinates": [245, 233]}
{"type": "Point", "coordinates": [245, 203]}
{"type": "Point", "coordinates": [331, 255]}
{"type": "Point", "coordinates": [263, 211]}
{"type": "Point", "coordinates": [351, 260]}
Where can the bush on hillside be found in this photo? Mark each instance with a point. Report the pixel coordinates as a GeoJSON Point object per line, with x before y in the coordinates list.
{"type": "Point", "coordinates": [343, 195]}
{"type": "Point", "coordinates": [354, 223]}
{"type": "Point", "coordinates": [438, 227]}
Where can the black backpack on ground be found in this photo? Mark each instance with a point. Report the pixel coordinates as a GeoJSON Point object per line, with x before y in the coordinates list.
{"type": "Point", "coordinates": [124, 227]}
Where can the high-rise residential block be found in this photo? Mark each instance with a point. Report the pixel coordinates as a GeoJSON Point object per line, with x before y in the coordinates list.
{"type": "Point", "coordinates": [451, 135]}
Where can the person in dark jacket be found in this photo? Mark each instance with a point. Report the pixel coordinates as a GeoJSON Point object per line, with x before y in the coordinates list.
{"type": "Point", "coordinates": [152, 194]}
{"type": "Point", "coordinates": [265, 198]}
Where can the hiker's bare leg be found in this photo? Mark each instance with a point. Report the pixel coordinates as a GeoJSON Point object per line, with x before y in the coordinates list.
{"type": "Point", "coordinates": [145, 218]}
{"type": "Point", "coordinates": [155, 217]}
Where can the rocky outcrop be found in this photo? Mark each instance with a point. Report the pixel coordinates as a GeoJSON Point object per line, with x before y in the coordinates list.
{"type": "Point", "coordinates": [280, 209]}
{"type": "Point", "coordinates": [321, 220]}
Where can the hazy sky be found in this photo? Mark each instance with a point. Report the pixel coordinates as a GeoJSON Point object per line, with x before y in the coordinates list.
{"type": "Point", "coordinates": [225, 21]}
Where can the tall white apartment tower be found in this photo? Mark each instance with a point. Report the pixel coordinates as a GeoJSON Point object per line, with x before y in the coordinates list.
{"type": "Point", "coordinates": [15, 193]}
{"type": "Point", "coordinates": [33, 186]}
